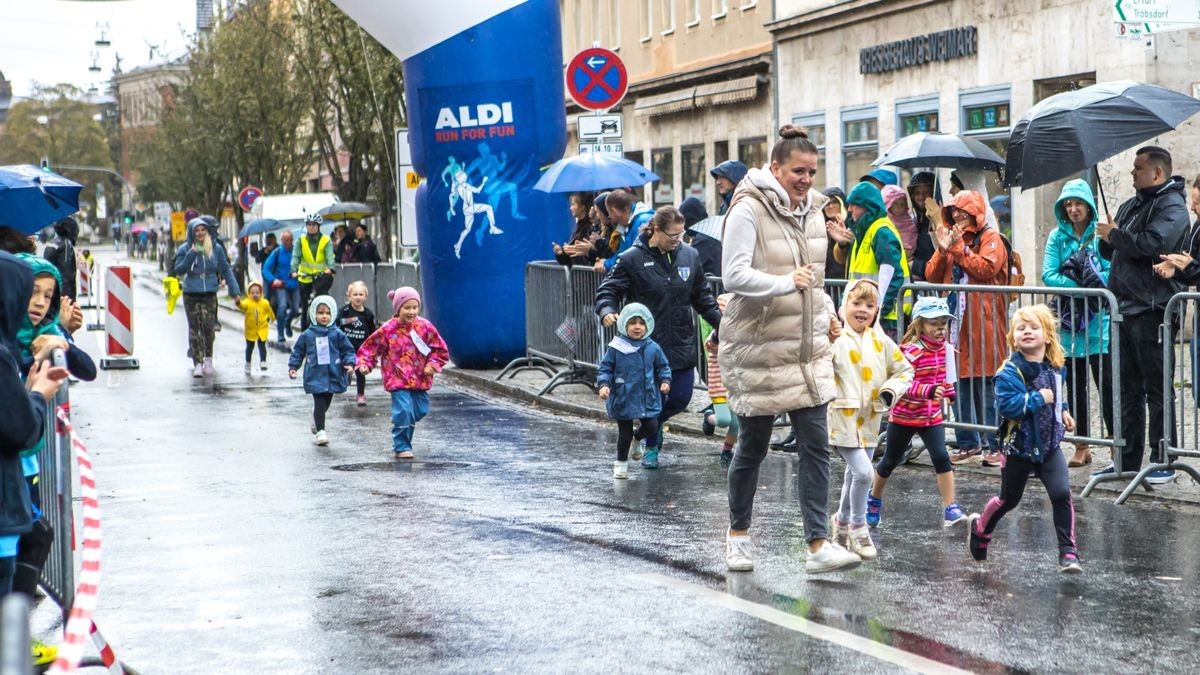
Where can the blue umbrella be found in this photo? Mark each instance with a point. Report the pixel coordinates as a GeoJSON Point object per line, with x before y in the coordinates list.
{"type": "Point", "coordinates": [591, 172]}
{"type": "Point", "coordinates": [31, 199]}
{"type": "Point", "coordinates": [260, 226]}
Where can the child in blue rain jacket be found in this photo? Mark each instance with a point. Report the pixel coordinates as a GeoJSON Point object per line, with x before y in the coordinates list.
{"type": "Point", "coordinates": [633, 374]}
{"type": "Point", "coordinates": [328, 358]}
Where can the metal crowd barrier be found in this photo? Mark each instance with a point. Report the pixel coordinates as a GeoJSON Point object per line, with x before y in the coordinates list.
{"type": "Point", "coordinates": [558, 330]}
{"type": "Point", "coordinates": [379, 279]}
{"type": "Point", "coordinates": [1097, 381]}
{"type": "Point", "coordinates": [1181, 392]}
{"type": "Point", "coordinates": [56, 496]}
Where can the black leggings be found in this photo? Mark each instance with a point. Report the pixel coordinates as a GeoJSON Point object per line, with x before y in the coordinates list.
{"type": "Point", "coordinates": [262, 350]}
{"type": "Point", "coordinates": [320, 407]}
{"type": "Point", "coordinates": [899, 437]}
{"type": "Point", "coordinates": [649, 429]}
{"type": "Point", "coordinates": [361, 382]}
{"type": "Point", "coordinates": [1014, 474]}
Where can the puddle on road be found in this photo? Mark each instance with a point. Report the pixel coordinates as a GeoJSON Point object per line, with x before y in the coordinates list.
{"type": "Point", "coordinates": [401, 466]}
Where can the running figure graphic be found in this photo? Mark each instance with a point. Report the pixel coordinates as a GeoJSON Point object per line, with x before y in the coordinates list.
{"type": "Point", "coordinates": [466, 193]}
{"type": "Point", "coordinates": [450, 180]}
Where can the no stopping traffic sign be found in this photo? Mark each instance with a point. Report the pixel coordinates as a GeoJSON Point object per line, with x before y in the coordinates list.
{"type": "Point", "coordinates": [596, 79]}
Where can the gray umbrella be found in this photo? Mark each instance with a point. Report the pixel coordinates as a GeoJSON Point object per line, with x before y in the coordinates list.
{"type": "Point", "coordinates": [1076, 130]}
{"type": "Point", "coordinates": [943, 151]}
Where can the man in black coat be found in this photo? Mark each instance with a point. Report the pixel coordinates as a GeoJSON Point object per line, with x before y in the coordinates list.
{"type": "Point", "coordinates": [61, 253]}
{"type": "Point", "coordinates": [1151, 224]}
{"type": "Point", "coordinates": [709, 248]}
{"type": "Point", "coordinates": [663, 273]}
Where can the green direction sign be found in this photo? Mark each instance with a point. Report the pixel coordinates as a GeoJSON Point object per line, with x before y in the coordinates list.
{"type": "Point", "coordinates": [1157, 11]}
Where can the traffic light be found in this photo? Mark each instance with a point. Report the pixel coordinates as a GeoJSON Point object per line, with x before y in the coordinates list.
{"type": "Point", "coordinates": [45, 164]}
{"type": "Point", "coordinates": [128, 218]}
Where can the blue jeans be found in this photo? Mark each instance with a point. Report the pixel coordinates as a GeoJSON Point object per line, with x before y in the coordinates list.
{"type": "Point", "coordinates": [976, 404]}
{"type": "Point", "coordinates": [287, 307]}
{"type": "Point", "coordinates": [676, 400]}
{"type": "Point", "coordinates": [409, 406]}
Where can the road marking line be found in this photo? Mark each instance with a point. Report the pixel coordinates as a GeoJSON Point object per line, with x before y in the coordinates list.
{"type": "Point", "coordinates": [838, 637]}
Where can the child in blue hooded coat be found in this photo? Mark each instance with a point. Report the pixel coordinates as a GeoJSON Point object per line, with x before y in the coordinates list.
{"type": "Point", "coordinates": [328, 358]}
{"type": "Point", "coordinates": [633, 373]}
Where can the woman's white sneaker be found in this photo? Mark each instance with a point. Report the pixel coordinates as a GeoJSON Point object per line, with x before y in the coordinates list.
{"type": "Point", "coordinates": [861, 544]}
{"type": "Point", "coordinates": [621, 470]}
{"type": "Point", "coordinates": [739, 553]}
{"type": "Point", "coordinates": [831, 558]}
{"type": "Point", "coordinates": [322, 439]}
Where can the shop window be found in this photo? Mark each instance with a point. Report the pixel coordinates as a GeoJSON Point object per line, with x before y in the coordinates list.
{"type": "Point", "coordinates": [860, 143]}
{"type": "Point", "coordinates": [720, 152]}
{"type": "Point", "coordinates": [753, 152]}
{"type": "Point", "coordinates": [693, 170]}
{"type": "Point", "coordinates": [661, 163]}
{"type": "Point", "coordinates": [911, 124]}
{"type": "Point", "coordinates": [986, 118]}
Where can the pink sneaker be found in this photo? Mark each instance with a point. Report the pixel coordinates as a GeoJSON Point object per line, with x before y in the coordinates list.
{"type": "Point", "coordinates": [361, 400]}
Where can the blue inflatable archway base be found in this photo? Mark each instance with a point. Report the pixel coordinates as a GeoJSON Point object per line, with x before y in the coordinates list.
{"type": "Point", "coordinates": [485, 114]}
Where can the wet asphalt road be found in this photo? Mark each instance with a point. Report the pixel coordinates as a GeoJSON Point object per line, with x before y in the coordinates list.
{"type": "Point", "coordinates": [232, 544]}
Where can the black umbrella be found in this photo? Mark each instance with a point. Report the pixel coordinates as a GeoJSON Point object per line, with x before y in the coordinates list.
{"type": "Point", "coordinates": [1076, 130]}
{"type": "Point", "coordinates": [945, 151]}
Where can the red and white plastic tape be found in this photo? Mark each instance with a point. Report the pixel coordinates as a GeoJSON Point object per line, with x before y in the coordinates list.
{"type": "Point", "coordinates": [80, 625]}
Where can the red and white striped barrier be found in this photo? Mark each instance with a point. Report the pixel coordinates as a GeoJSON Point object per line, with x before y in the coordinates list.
{"type": "Point", "coordinates": [118, 326]}
{"type": "Point", "coordinates": [84, 296]}
{"type": "Point", "coordinates": [80, 624]}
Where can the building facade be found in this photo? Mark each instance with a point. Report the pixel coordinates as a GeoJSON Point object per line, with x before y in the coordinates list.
{"type": "Point", "coordinates": [141, 95]}
{"type": "Point", "coordinates": [862, 74]}
{"type": "Point", "coordinates": [700, 75]}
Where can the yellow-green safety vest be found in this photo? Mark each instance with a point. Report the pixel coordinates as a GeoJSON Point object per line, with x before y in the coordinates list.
{"type": "Point", "coordinates": [311, 266]}
{"type": "Point", "coordinates": [863, 264]}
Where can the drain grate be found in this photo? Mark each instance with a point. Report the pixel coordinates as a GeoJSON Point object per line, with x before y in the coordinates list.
{"type": "Point", "coordinates": [401, 466]}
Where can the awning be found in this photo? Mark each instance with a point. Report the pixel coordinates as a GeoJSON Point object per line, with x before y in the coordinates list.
{"type": "Point", "coordinates": [670, 102]}
{"type": "Point", "coordinates": [730, 91]}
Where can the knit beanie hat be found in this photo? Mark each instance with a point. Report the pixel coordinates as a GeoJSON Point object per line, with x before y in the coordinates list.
{"type": "Point", "coordinates": [402, 295]}
{"type": "Point", "coordinates": [891, 193]}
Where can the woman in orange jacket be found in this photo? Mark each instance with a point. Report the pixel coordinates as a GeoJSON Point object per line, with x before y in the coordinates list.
{"type": "Point", "coordinates": [970, 252]}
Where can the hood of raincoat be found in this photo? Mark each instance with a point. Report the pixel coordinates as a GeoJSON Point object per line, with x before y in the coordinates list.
{"type": "Point", "coordinates": [28, 331]}
{"type": "Point", "coordinates": [16, 287]}
{"type": "Point", "coordinates": [765, 181]}
{"type": "Point", "coordinates": [191, 229]}
{"type": "Point", "coordinates": [67, 228]}
{"type": "Point", "coordinates": [836, 194]}
{"type": "Point", "coordinates": [1075, 189]}
{"type": "Point", "coordinates": [635, 309]}
{"type": "Point", "coordinates": [971, 202]}
{"type": "Point", "coordinates": [870, 198]}
{"type": "Point", "coordinates": [732, 169]}
{"type": "Point", "coordinates": [329, 302]}
{"type": "Point", "coordinates": [693, 211]}
{"type": "Point", "coordinates": [846, 300]}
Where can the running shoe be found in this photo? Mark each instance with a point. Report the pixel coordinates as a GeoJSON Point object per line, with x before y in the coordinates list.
{"type": "Point", "coordinates": [874, 510]}
{"type": "Point", "coordinates": [967, 456]}
{"type": "Point", "coordinates": [831, 558]}
{"type": "Point", "coordinates": [650, 459]}
{"type": "Point", "coordinates": [1068, 563]}
{"type": "Point", "coordinates": [954, 515]}
{"type": "Point", "coordinates": [976, 542]}
{"type": "Point", "coordinates": [861, 544]}
{"type": "Point", "coordinates": [739, 553]}
{"type": "Point", "coordinates": [620, 470]}
{"type": "Point", "coordinates": [1161, 476]}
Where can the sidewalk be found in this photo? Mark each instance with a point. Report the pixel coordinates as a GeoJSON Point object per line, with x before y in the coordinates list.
{"type": "Point", "coordinates": [581, 401]}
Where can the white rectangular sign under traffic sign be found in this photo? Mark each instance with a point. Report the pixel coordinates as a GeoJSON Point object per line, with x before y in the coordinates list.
{"type": "Point", "coordinates": [601, 126]}
{"type": "Point", "coordinates": [1157, 11]}
{"type": "Point", "coordinates": [407, 182]}
{"type": "Point", "coordinates": [1142, 31]}
{"type": "Point", "coordinates": [614, 149]}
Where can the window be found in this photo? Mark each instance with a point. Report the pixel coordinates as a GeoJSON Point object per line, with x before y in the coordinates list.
{"type": "Point", "coordinates": [661, 164]}
{"type": "Point", "coordinates": [596, 22]}
{"type": "Point", "coordinates": [985, 117]}
{"type": "Point", "coordinates": [720, 152]}
{"type": "Point", "coordinates": [668, 16]}
{"type": "Point", "coordinates": [915, 115]}
{"type": "Point", "coordinates": [614, 24]}
{"type": "Point", "coordinates": [748, 4]}
{"type": "Point", "coordinates": [753, 152]}
{"type": "Point", "coordinates": [693, 13]}
{"type": "Point", "coordinates": [815, 124]}
{"type": "Point", "coordinates": [720, 9]}
{"type": "Point", "coordinates": [860, 142]}
{"type": "Point", "coordinates": [637, 157]}
{"type": "Point", "coordinates": [579, 11]}
{"type": "Point", "coordinates": [647, 19]}
{"type": "Point", "coordinates": [694, 170]}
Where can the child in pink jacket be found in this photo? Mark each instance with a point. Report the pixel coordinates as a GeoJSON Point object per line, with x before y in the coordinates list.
{"type": "Point", "coordinates": [412, 351]}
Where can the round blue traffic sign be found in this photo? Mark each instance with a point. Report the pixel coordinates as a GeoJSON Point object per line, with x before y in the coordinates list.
{"type": "Point", "coordinates": [596, 79]}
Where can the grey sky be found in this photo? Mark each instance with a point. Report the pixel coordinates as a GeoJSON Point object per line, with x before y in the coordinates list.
{"type": "Point", "coordinates": [50, 41]}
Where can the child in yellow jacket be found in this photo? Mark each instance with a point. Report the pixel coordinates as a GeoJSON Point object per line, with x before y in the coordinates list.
{"type": "Point", "coordinates": [259, 317]}
{"type": "Point", "coordinates": [871, 374]}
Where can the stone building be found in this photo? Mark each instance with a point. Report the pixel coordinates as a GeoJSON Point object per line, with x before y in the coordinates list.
{"type": "Point", "coordinates": [971, 68]}
{"type": "Point", "coordinates": [141, 95]}
{"type": "Point", "coordinates": [700, 76]}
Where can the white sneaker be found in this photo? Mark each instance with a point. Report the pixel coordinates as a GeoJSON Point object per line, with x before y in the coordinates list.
{"type": "Point", "coordinates": [621, 470]}
{"type": "Point", "coordinates": [322, 439]}
{"type": "Point", "coordinates": [198, 371]}
{"type": "Point", "coordinates": [208, 366]}
{"type": "Point", "coordinates": [263, 366]}
{"type": "Point", "coordinates": [739, 553]}
{"type": "Point", "coordinates": [831, 558]}
{"type": "Point", "coordinates": [861, 544]}
{"type": "Point", "coordinates": [839, 533]}
{"type": "Point", "coordinates": [247, 369]}
{"type": "Point", "coordinates": [637, 451]}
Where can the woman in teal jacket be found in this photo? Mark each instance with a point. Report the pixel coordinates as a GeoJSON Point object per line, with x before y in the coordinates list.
{"type": "Point", "coordinates": [1086, 349]}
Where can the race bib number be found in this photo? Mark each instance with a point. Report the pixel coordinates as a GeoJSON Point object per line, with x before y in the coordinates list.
{"type": "Point", "coordinates": [419, 343]}
{"type": "Point", "coordinates": [322, 351]}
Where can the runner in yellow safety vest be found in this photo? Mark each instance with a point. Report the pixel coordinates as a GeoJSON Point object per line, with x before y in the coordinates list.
{"type": "Point", "coordinates": [312, 256]}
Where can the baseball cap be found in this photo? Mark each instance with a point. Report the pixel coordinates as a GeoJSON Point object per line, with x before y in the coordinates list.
{"type": "Point", "coordinates": [931, 307]}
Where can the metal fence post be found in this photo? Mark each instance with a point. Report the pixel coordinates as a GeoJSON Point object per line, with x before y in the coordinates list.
{"type": "Point", "coordinates": [15, 655]}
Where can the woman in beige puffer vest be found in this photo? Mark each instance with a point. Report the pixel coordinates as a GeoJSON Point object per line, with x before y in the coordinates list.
{"type": "Point", "coordinates": [774, 347]}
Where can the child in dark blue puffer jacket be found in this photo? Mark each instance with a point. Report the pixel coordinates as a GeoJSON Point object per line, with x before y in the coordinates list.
{"type": "Point", "coordinates": [633, 374]}
{"type": "Point", "coordinates": [1029, 398]}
